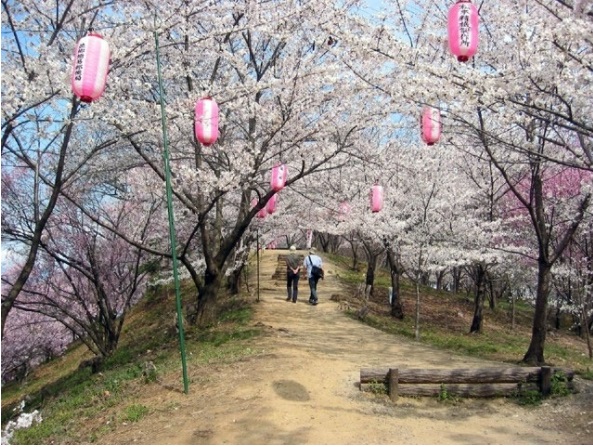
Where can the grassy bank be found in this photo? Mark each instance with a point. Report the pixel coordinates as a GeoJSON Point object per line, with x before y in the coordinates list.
{"type": "Point", "coordinates": [78, 406]}
{"type": "Point", "coordinates": [445, 321]}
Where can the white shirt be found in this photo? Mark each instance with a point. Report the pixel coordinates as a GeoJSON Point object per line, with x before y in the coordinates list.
{"type": "Point", "coordinates": [314, 261]}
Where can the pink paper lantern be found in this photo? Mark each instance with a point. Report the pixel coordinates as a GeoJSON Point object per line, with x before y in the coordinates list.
{"type": "Point", "coordinates": [206, 121]}
{"type": "Point", "coordinates": [463, 30]}
{"type": "Point", "coordinates": [272, 203]}
{"type": "Point", "coordinates": [431, 125]}
{"type": "Point", "coordinates": [344, 210]}
{"type": "Point", "coordinates": [279, 176]}
{"type": "Point", "coordinates": [91, 64]}
{"type": "Point", "coordinates": [261, 213]}
{"type": "Point", "coordinates": [376, 198]}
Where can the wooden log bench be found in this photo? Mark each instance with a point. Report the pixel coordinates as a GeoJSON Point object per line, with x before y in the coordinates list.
{"type": "Point", "coordinates": [463, 382]}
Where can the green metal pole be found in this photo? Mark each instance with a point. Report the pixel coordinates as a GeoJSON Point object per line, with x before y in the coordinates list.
{"type": "Point", "coordinates": [172, 236]}
{"type": "Point", "coordinates": [257, 246]}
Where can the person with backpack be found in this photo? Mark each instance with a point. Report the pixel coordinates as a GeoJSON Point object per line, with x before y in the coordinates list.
{"type": "Point", "coordinates": [313, 263]}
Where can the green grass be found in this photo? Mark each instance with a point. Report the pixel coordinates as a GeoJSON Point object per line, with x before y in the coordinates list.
{"type": "Point", "coordinates": [445, 396]}
{"type": "Point", "coordinates": [377, 387]}
{"type": "Point", "coordinates": [79, 395]}
{"type": "Point", "coordinates": [135, 412]}
{"type": "Point", "coordinates": [532, 398]}
{"type": "Point", "coordinates": [507, 346]}
{"type": "Point", "coordinates": [501, 344]}
{"type": "Point", "coordinates": [559, 385]}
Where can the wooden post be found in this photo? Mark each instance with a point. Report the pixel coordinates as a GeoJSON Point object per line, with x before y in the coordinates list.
{"type": "Point", "coordinates": [545, 383]}
{"type": "Point", "coordinates": [393, 388]}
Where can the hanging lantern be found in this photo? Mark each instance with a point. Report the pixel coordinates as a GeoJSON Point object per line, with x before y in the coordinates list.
{"type": "Point", "coordinates": [272, 203]}
{"type": "Point", "coordinates": [206, 124]}
{"type": "Point", "coordinates": [91, 64]}
{"type": "Point", "coordinates": [376, 198]}
{"type": "Point", "coordinates": [463, 30]}
{"type": "Point", "coordinates": [344, 210]}
{"type": "Point", "coordinates": [261, 213]}
{"type": "Point", "coordinates": [279, 176]}
{"type": "Point", "coordinates": [431, 125]}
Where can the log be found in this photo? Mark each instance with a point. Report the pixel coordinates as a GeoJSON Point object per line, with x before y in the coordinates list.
{"type": "Point", "coordinates": [461, 390]}
{"type": "Point", "coordinates": [461, 375]}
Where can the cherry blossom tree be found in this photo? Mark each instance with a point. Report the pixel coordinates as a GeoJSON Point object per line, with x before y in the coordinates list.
{"type": "Point", "coordinates": [85, 278]}
{"type": "Point", "coordinates": [506, 104]}
{"type": "Point", "coordinates": [38, 124]}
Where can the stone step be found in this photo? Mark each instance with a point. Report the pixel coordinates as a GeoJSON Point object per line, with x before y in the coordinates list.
{"type": "Point", "coordinates": [280, 272]}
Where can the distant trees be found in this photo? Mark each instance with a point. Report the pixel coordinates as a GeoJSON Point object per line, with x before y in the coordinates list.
{"type": "Point", "coordinates": [30, 340]}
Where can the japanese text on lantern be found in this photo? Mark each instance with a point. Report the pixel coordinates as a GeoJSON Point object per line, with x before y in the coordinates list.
{"type": "Point", "coordinates": [464, 24]}
{"type": "Point", "coordinates": [79, 62]}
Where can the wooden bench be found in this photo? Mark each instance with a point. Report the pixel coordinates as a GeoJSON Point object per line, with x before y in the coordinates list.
{"type": "Point", "coordinates": [464, 382]}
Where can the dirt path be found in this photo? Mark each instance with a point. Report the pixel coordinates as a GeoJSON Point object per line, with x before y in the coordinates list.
{"type": "Point", "coordinates": [303, 389]}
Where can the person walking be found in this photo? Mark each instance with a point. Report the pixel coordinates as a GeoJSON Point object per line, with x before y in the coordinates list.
{"type": "Point", "coordinates": [293, 273]}
{"type": "Point", "coordinates": [313, 263]}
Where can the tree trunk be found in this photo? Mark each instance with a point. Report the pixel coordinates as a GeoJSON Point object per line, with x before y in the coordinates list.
{"type": "Point", "coordinates": [497, 292]}
{"type": "Point", "coordinates": [354, 259]}
{"type": "Point", "coordinates": [513, 311]}
{"type": "Point", "coordinates": [456, 273]}
{"type": "Point", "coordinates": [370, 276]}
{"type": "Point", "coordinates": [417, 319]}
{"type": "Point", "coordinates": [425, 278]}
{"type": "Point", "coordinates": [372, 252]}
{"type": "Point", "coordinates": [478, 319]}
{"type": "Point", "coordinates": [206, 311]}
{"type": "Point", "coordinates": [439, 276]}
{"type": "Point", "coordinates": [535, 352]}
{"type": "Point", "coordinates": [397, 308]}
{"type": "Point", "coordinates": [584, 325]}
{"type": "Point", "coordinates": [234, 280]}
{"type": "Point", "coordinates": [324, 240]}
{"type": "Point", "coordinates": [39, 227]}
{"type": "Point", "coordinates": [557, 318]}
{"type": "Point", "coordinates": [353, 249]}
